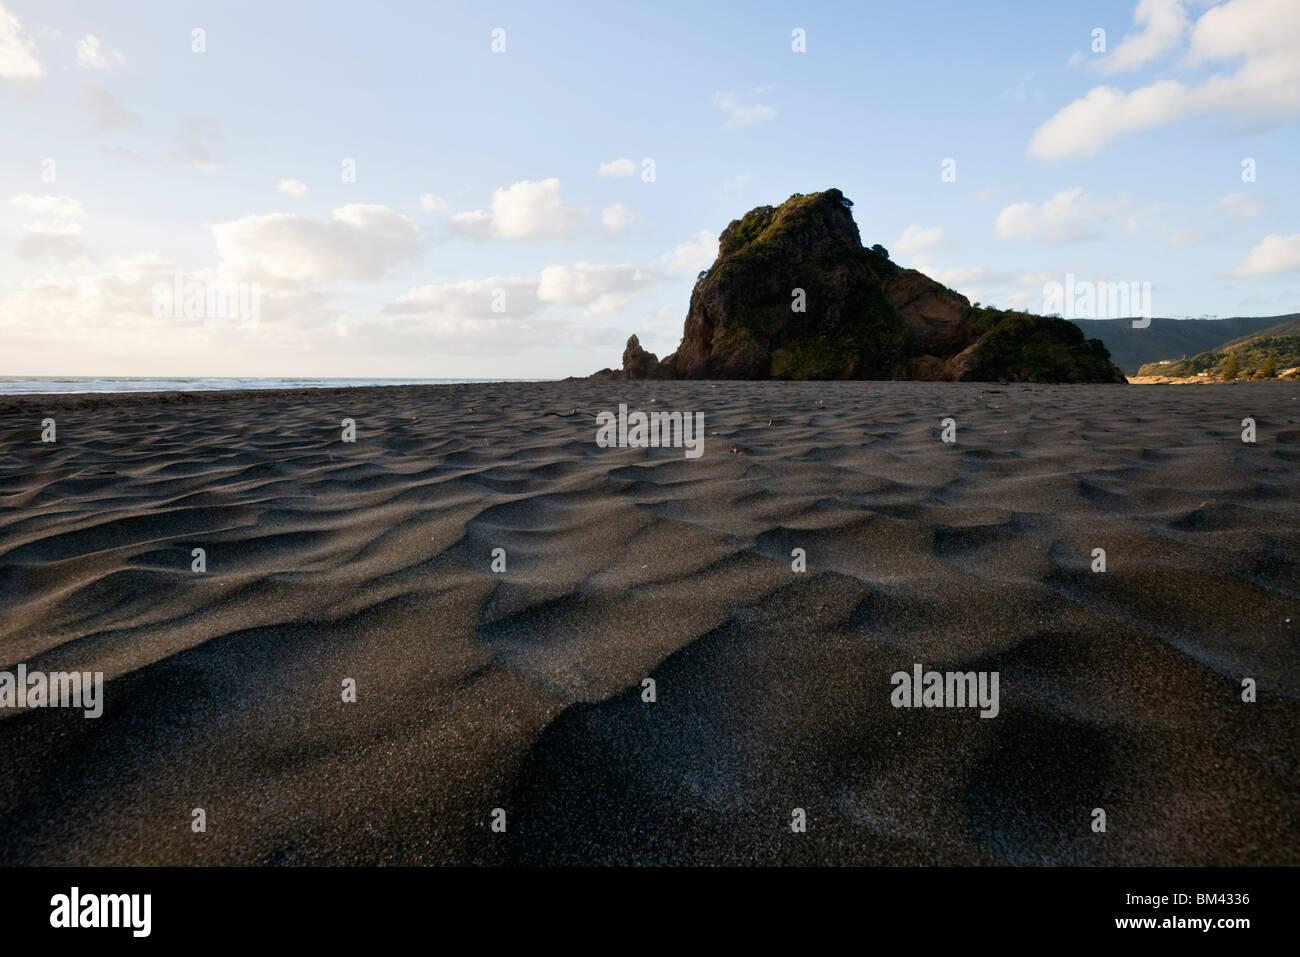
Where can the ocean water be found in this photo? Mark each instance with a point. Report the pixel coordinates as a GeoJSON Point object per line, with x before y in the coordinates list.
{"type": "Point", "coordinates": [22, 385]}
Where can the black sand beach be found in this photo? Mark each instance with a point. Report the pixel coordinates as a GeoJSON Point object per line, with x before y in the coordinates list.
{"type": "Point", "coordinates": [522, 689]}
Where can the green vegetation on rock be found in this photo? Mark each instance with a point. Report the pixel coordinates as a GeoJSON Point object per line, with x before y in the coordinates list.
{"type": "Point", "coordinates": [1022, 347]}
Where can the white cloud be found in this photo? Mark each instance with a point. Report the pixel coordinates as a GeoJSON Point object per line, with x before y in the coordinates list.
{"type": "Point", "coordinates": [432, 202]}
{"type": "Point", "coordinates": [119, 297]}
{"type": "Point", "coordinates": [474, 298]}
{"type": "Point", "coordinates": [1262, 35]}
{"type": "Point", "coordinates": [616, 219]}
{"type": "Point", "coordinates": [360, 242]}
{"type": "Point", "coordinates": [961, 277]}
{"type": "Point", "coordinates": [1037, 278]}
{"type": "Point", "coordinates": [294, 187]}
{"type": "Point", "coordinates": [742, 114]}
{"type": "Point", "coordinates": [59, 207]}
{"type": "Point", "coordinates": [476, 224]}
{"type": "Point", "coordinates": [736, 183]}
{"type": "Point", "coordinates": [109, 315]}
{"type": "Point", "coordinates": [1276, 254]}
{"type": "Point", "coordinates": [57, 238]}
{"type": "Point", "coordinates": [918, 239]}
{"type": "Point", "coordinates": [61, 243]}
{"type": "Point", "coordinates": [692, 256]}
{"type": "Point", "coordinates": [526, 210]}
{"type": "Point", "coordinates": [1245, 28]}
{"type": "Point", "coordinates": [1241, 207]}
{"type": "Point", "coordinates": [94, 55]}
{"type": "Point", "coordinates": [620, 167]}
{"type": "Point", "coordinates": [602, 289]}
{"type": "Point", "coordinates": [106, 114]}
{"type": "Point", "coordinates": [1068, 217]}
{"type": "Point", "coordinates": [966, 276]}
{"type": "Point", "coordinates": [1164, 22]}
{"type": "Point", "coordinates": [1104, 114]}
{"type": "Point", "coordinates": [17, 51]}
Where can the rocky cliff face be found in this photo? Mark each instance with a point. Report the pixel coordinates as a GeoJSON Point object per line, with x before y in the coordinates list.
{"type": "Point", "coordinates": [794, 294]}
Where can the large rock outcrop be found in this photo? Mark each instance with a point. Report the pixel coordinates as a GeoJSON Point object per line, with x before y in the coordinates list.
{"type": "Point", "coordinates": [794, 294]}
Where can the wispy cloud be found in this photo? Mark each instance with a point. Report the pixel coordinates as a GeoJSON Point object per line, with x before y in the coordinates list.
{"type": "Point", "coordinates": [1275, 255]}
{"type": "Point", "coordinates": [1070, 216]}
{"type": "Point", "coordinates": [93, 55]}
{"type": "Point", "coordinates": [740, 113]}
{"type": "Point", "coordinates": [18, 60]}
{"type": "Point", "coordinates": [618, 168]}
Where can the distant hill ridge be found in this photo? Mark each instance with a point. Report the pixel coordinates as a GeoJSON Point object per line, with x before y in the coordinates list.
{"type": "Point", "coordinates": [1166, 338]}
{"type": "Point", "coordinates": [1273, 351]}
{"type": "Point", "coordinates": [1288, 327]}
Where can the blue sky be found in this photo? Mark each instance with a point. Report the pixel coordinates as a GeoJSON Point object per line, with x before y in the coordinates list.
{"type": "Point", "coordinates": [480, 236]}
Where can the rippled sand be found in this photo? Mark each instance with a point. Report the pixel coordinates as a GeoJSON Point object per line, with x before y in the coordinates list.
{"type": "Point", "coordinates": [522, 690]}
